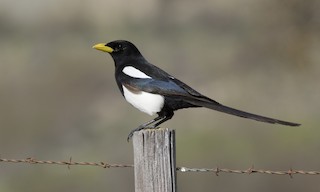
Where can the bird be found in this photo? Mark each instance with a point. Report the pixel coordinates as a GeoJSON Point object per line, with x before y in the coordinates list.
{"type": "Point", "coordinates": [154, 91]}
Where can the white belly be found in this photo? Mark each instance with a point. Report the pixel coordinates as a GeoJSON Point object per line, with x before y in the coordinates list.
{"type": "Point", "coordinates": [145, 102]}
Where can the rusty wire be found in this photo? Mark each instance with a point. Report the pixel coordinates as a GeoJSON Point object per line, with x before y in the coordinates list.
{"type": "Point", "coordinates": [217, 170]}
{"type": "Point", "coordinates": [251, 170]}
{"type": "Point", "coordinates": [68, 163]}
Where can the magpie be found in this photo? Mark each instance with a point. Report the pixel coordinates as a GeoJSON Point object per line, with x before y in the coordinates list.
{"type": "Point", "coordinates": [153, 91]}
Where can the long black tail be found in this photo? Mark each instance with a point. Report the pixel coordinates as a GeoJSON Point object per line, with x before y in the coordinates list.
{"type": "Point", "coordinates": [211, 104]}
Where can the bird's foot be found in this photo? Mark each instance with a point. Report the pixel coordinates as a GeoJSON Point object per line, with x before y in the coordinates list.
{"type": "Point", "coordinates": [139, 129]}
{"type": "Point", "coordinates": [134, 130]}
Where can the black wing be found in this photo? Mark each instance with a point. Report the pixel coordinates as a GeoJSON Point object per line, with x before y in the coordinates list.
{"type": "Point", "coordinates": [169, 86]}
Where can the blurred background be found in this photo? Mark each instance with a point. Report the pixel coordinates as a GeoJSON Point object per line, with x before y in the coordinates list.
{"type": "Point", "coordinates": [59, 99]}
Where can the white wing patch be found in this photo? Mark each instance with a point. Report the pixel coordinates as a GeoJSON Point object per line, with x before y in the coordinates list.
{"type": "Point", "coordinates": [146, 102]}
{"type": "Point", "coordinates": [136, 73]}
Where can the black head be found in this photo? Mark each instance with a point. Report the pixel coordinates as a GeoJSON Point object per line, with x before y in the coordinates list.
{"type": "Point", "coordinates": [119, 49]}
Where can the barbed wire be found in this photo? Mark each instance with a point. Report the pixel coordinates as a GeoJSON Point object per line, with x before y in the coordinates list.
{"type": "Point", "coordinates": [251, 170]}
{"type": "Point", "coordinates": [217, 170]}
{"type": "Point", "coordinates": [31, 160]}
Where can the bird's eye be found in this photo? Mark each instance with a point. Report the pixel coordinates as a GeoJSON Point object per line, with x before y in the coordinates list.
{"type": "Point", "coordinates": [119, 47]}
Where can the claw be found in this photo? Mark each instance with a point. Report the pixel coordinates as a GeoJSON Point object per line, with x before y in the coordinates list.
{"type": "Point", "coordinates": [134, 130]}
{"type": "Point", "coordinates": [157, 121]}
{"type": "Point", "coordinates": [130, 136]}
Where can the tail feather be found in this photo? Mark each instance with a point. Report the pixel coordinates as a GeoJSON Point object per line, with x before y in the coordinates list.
{"type": "Point", "coordinates": [219, 107]}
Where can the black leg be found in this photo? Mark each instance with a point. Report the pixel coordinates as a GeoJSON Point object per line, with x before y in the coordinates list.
{"type": "Point", "coordinates": [144, 126]}
{"type": "Point", "coordinates": [167, 114]}
{"type": "Point", "coordinates": [163, 117]}
{"type": "Point", "coordinates": [161, 121]}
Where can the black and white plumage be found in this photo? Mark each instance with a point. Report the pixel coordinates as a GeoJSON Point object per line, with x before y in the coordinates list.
{"type": "Point", "coordinates": [149, 103]}
{"type": "Point", "coordinates": [153, 91]}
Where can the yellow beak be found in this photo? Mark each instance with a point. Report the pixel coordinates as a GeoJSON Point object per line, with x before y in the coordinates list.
{"type": "Point", "coordinates": [103, 47]}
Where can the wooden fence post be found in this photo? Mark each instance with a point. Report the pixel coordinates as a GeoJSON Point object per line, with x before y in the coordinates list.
{"type": "Point", "coordinates": [154, 160]}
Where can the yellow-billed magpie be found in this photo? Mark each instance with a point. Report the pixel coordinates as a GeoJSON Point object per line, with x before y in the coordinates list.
{"type": "Point", "coordinates": [153, 91]}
